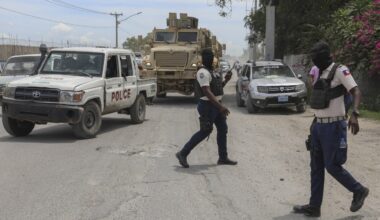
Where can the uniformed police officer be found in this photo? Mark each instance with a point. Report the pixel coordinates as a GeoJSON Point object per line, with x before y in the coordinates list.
{"type": "Point", "coordinates": [211, 111]}
{"type": "Point", "coordinates": [329, 132]}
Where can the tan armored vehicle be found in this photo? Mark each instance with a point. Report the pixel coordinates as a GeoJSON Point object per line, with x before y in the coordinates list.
{"type": "Point", "coordinates": [174, 54]}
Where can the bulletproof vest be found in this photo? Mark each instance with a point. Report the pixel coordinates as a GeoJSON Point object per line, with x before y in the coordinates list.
{"type": "Point", "coordinates": [216, 85]}
{"type": "Point", "coordinates": [322, 93]}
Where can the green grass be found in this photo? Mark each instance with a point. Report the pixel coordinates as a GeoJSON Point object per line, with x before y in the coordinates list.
{"type": "Point", "coordinates": [370, 114]}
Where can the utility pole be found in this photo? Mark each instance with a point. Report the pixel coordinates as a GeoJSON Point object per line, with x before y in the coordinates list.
{"type": "Point", "coordinates": [117, 27]}
{"type": "Point", "coordinates": [270, 29]}
{"type": "Point", "coordinates": [117, 22]}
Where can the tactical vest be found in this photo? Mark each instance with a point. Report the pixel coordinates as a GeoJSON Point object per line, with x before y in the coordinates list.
{"type": "Point", "coordinates": [322, 93]}
{"type": "Point", "coordinates": [216, 85]}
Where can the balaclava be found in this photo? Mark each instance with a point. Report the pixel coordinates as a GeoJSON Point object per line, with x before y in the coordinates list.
{"type": "Point", "coordinates": [207, 58]}
{"type": "Point", "coordinates": [320, 55]}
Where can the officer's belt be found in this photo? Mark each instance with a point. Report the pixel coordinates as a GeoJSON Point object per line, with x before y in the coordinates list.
{"type": "Point", "coordinates": [330, 119]}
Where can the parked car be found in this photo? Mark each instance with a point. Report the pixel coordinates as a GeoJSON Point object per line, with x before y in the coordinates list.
{"type": "Point", "coordinates": [2, 64]}
{"type": "Point", "coordinates": [139, 58]}
{"type": "Point", "coordinates": [224, 66]}
{"type": "Point", "coordinates": [17, 67]}
{"type": "Point", "coordinates": [77, 86]}
{"type": "Point", "coordinates": [266, 84]}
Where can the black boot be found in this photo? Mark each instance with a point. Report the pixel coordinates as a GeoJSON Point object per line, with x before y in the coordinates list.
{"type": "Point", "coordinates": [307, 210]}
{"type": "Point", "coordinates": [182, 159]}
{"type": "Point", "coordinates": [358, 199]}
{"type": "Point", "coordinates": [226, 161]}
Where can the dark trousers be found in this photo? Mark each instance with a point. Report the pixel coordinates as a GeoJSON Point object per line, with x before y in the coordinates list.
{"type": "Point", "coordinates": [329, 143]}
{"type": "Point", "coordinates": [208, 110]}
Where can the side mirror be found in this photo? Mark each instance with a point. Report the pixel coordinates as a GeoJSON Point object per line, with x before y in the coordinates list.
{"type": "Point", "coordinates": [299, 76]}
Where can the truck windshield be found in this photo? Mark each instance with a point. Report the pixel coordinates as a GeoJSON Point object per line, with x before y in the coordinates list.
{"type": "Point", "coordinates": [21, 65]}
{"type": "Point", "coordinates": [271, 72]}
{"type": "Point", "coordinates": [168, 37]}
{"type": "Point", "coordinates": [74, 63]}
{"type": "Point", "coordinates": [187, 36]}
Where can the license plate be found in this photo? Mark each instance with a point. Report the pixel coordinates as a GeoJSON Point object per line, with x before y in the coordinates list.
{"type": "Point", "coordinates": [283, 99]}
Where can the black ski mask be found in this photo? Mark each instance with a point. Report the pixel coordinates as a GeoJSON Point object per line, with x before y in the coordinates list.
{"type": "Point", "coordinates": [320, 55]}
{"type": "Point", "coordinates": [207, 58]}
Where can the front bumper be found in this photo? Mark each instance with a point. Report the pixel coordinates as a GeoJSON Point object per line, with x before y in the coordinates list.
{"type": "Point", "coordinates": [41, 112]}
{"type": "Point", "coordinates": [277, 100]}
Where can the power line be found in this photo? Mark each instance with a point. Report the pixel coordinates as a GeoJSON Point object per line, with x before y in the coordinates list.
{"type": "Point", "coordinates": [52, 20]}
{"type": "Point", "coordinates": [71, 6]}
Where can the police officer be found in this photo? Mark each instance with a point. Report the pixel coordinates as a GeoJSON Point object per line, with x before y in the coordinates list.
{"type": "Point", "coordinates": [211, 111]}
{"type": "Point", "coordinates": [329, 132]}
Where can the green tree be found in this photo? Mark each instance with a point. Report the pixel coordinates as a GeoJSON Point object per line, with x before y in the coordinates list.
{"type": "Point", "coordinates": [133, 43]}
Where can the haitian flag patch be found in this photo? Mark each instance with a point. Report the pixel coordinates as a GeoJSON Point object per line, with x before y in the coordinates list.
{"type": "Point", "coordinates": [346, 72]}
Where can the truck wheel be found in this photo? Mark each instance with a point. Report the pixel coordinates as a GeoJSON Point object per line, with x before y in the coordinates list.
{"type": "Point", "coordinates": [138, 110]}
{"type": "Point", "coordinates": [239, 101]}
{"type": "Point", "coordinates": [161, 95]}
{"type": "Point", "coordinates": [301, 108]}
{"type": "Point", "coordinates": [90, 122]}
{"type": "Point", "coordinates": [251, 108]}
{"type": "Point", "coordinates": [16, 127]}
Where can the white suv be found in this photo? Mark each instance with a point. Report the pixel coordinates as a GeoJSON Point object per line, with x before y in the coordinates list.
{"type": "Point", "coordinates": [265, 84]}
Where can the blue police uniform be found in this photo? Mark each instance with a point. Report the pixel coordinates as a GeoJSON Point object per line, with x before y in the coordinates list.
{"type": "Point", "coordinates": [329, 141]}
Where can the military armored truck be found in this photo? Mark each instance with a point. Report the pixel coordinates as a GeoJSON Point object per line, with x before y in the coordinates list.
{"type": "Point", "coordinates": [174, 54]}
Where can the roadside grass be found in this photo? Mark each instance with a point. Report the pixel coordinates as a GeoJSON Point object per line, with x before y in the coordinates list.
{"type": "Point", "coordinates": [370, 114]}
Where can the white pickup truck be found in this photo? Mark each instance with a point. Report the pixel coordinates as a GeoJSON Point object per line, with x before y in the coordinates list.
{"type": "Point", "coordinates": [77, 86]}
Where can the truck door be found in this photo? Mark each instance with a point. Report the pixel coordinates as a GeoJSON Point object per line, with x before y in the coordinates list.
{"type": "Point", "coordinates": [114, 84]}
{"type": "Point", "coordinates": [130, 80]}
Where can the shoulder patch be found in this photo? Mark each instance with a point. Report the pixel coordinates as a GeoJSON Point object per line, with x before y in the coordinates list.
{"type": "Point", "coordinates": [201, 75]}
{"type": "Point", "coordinates": [346, 73]}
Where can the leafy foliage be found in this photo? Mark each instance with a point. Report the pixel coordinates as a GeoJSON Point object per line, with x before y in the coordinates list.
{"type": "Point", "coordinates": [133, 43]}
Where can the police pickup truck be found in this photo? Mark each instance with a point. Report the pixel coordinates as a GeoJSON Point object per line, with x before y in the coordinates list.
{"type": "Point", "coordinates": [77, 86]}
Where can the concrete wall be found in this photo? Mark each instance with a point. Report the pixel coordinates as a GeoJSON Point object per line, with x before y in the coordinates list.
{"type": "Point", "coordinates": [299, 64]}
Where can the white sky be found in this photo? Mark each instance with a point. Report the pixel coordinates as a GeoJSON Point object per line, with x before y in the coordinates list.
{"type": "Point", "coordinates": [228, 30]}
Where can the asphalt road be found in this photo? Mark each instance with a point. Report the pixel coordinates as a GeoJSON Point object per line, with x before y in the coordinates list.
{"type": "Point", "coordinates": [130, 172]}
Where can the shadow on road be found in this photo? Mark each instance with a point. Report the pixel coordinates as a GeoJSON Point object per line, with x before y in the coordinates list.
{"type": "Point", "coordinates": [176, 101]}
{"type": "Point", "coordinates": [62, 133]}
{"type": "Point", "coordinates": [194, 169]}
{"type": "Point", "coordinates": [292, 216]}
{"type": "Point", "coordinates": [230, 102]}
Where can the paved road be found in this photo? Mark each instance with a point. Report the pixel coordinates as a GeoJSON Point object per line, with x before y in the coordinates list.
{"type": "Point", "coordinates": [130, 172]}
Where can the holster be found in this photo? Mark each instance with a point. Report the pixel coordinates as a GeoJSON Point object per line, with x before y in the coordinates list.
{"type": "Point", "coordinates": [308, 141]}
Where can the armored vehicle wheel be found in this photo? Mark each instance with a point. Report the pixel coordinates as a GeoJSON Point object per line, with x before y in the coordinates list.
{"type": "Point", "coordinates": [251, 108]}
{"type": "Point", "coordinates": [301, 108]}
{"type": "Point", "coordinates": [138, 110]}
{"type": "Point", "coordinates": [90, 122]}
{"type": "Point", "coordinates": [16, 127]}
{"type": "Point", "coordinates": [239, 101]}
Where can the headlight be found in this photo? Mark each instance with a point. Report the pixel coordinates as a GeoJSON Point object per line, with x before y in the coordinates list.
{"type": "Point", "coordinates": [262, 89]}
{"type": "Point", "coordinates": [194, 65]}
{"type": "Point", "coordinates": [300, 87]}
{"type": "Point", "coordinates": [9, 92]}
{"type": "Point", "coordinates": [70, 96]}
{"type": "Point", "coordinates": [148, 64]}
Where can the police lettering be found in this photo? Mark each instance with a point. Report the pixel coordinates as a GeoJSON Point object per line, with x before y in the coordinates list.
{"type": "Point", "coordinates": [121, 95]}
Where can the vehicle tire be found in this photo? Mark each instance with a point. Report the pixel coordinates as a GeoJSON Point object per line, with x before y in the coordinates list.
{"type": "Point", "coordinates": [16, 127]}
{"type": "Point", "coordinates": [251, 108]}
{"type": "Point", "coordinates": [90, 122]}
{"type": "Point", "coordinates": [138, 110]}
{"type": "Point", "coordinates": [161, 95]}
{"type": "Point", "coordinates": [239, 101]}
{"type": "Point", "coordinates": [301, 108]}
